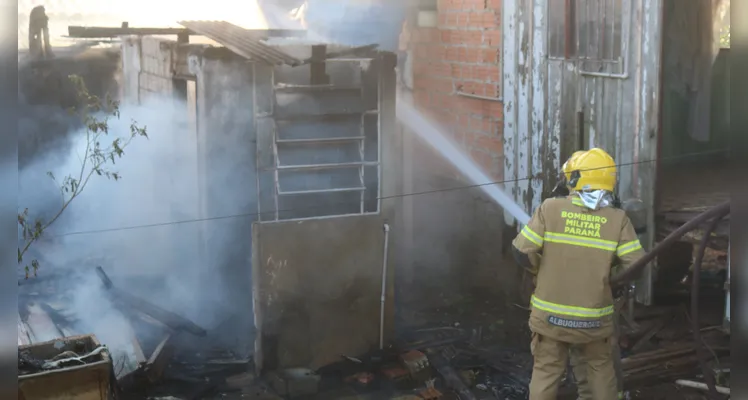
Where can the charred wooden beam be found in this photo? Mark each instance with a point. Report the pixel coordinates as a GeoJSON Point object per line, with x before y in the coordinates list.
{"type": "Point", "coordinates": [359, 51]}
{"type": "Point", "coordinates": [318, 67]}
{"type": "Point", "coordinates": [168, 318]}
{"type": "Point", "coordinates": [451, 378]}
{"type": "Point", "coordinates": [96, 32]}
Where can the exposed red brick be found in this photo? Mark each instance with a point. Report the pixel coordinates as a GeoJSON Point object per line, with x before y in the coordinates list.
{"type": "Point", "coordinates": [463, 54]}
{"type": "Point", "coordinates": [483, 159]}
{"type": "Point", "coordinates": [490, 144]}
{"type": "Point", "coordinates": [486, 72]}
{"type": "Point", "coordinates": [474, 4]}
{"type": "Point", "coordinates": [484, 19]}
{"type": "Point", "coordinates": [492, 37]}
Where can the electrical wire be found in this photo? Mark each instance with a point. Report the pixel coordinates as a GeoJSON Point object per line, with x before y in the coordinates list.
{"type": "Point", "coordinates": [395, 196]}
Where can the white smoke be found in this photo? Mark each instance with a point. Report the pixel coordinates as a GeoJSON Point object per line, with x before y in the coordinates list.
{"type": "Point", "coordinates": [142, 229]}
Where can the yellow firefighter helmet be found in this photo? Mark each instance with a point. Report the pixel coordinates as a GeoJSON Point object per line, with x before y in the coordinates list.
{"type": "Point", "coordinates": [593, 170]}
{"type": "Point", "coordinates": [568, 166]}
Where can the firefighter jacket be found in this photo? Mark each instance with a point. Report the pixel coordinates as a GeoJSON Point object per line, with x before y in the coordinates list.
{"type": "Point", "coordinates": [573, 301]}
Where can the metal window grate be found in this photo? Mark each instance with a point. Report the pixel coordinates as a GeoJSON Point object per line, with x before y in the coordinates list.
{"type": "Point", "coordinates": [323, 164]}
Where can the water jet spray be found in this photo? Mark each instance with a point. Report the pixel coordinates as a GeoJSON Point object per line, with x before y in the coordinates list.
{"type": "Point", "coordinates": [431, 134]}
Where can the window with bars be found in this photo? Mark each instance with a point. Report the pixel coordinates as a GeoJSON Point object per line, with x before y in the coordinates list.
{"type": "Point", "coordinates": [332, 170]}
{"type": "Point", "coordinates": [319, 145]}
{"type": "Point", "coordinates": [586, 29]}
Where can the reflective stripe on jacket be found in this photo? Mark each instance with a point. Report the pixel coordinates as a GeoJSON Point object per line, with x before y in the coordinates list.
{"type": "Point", "coordinates": [579, 247]}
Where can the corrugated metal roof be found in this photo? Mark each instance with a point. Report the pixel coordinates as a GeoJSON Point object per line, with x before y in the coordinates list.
{"type": "Point", "coordinates": [241, 41]}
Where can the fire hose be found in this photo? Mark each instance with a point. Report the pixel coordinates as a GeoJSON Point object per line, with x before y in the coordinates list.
{"type": "Point", "coordinates": [633, 271]}
{"type": "Point", "coordinates": [716, 213]}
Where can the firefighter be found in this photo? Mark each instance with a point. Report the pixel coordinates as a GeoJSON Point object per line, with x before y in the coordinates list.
{"type": "Point", "coordinates": [576, 359]}
{"type": "Point", "coordinates": [580, 237]}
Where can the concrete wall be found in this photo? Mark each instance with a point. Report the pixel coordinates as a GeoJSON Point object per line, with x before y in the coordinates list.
{"type": "Point", "coordinates": [317, 296]}
{"type": "Point", "coordinates": [226, 176]}
{"type": "Point", "coordinates": [216, 87]}
{"type": "Point", "coordinates": [317, 282]}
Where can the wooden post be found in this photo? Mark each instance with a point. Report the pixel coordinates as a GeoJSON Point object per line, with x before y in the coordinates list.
{"type": "Point", "coordinates": [318, 75]}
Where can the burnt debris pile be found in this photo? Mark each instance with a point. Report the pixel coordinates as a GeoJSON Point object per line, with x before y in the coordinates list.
{"type": "Point", "coordinates": [149, 349]}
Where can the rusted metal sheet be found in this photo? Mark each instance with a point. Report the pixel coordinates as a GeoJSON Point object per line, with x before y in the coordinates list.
{"type": "Point", "coordinates": [241, 41]}
{"type": "Point", "coordinates": [613, 86]}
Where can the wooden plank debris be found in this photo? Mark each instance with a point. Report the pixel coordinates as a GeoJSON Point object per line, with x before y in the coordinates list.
{"type": "Point", "coordinates": [168, 318]}
{"type": "Point", "coordinates": [159, 360]}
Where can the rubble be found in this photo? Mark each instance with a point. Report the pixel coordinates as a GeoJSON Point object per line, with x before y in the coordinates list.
{"type": "Point", "coordinates": [430, 393]}
{"type": "Point", "coordinates": [295, 382]}
{"type": "Point", "coordinates": [428, 363]}
{"type": "Point", "coordinates": [170, 319]}
{"type": "Point", "coordinates": [172, 359]}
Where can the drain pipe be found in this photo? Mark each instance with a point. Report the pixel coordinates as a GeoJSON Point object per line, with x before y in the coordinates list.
{"type": "Point", "coordinates": [384, 286]}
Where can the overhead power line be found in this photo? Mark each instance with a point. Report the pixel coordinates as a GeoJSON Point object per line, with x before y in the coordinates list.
{"type": "Point", "coordinates": [395, 196]}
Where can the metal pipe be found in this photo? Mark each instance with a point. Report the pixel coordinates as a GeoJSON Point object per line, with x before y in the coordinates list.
{"type": "Point", "coordinates": [726, 321]}
{"type": "Point", "coordinates": [639, 264]}
{"type": "Point", "coordinates": [695, 282]}
{"type": "Point", "coordinates": [611, 75]}
{"type": "Point", "coordinates": [362, 155]}
{"type": "Point", "coordinates": [384, 286]}
{"type": "Point", "coordinates": [315, 191]}
{"type": "Point", "coordinates": [477, 96]}
{"type": "Point", "coordinates": [701, 386]}
{"type": "Point", "coordinates": [326, 166]}
{"type": "Point", "coordinates": [320, 140]}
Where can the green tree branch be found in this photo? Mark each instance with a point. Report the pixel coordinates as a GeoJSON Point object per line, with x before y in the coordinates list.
{"type": "Point", "coordinates": [97, 160]}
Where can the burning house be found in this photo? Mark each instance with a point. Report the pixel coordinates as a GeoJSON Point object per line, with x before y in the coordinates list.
{"type": "Point", "coordinates": [310, 133]}
{"type": "Point", "coordinates": [331, 200]}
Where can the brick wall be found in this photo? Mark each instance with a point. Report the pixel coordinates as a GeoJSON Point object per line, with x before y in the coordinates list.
{"type": "Point", "coordinates": [455, 234]}
{"type": "Point", "coordinates": [462, 55]}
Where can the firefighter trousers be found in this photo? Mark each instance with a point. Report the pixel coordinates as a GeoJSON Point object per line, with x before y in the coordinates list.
{"type": "Point", "coordinates": [550, 360]}
{"type": "Point", "coordinates": [579, 369]}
